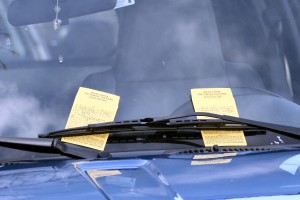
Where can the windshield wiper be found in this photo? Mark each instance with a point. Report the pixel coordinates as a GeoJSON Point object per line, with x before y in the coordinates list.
{"type": "Point", "coordinates": [148, 130]}
{"type": "Point", "coordinates": [150, 126]}
{"type": "Point", "coordinates": [51, 146]}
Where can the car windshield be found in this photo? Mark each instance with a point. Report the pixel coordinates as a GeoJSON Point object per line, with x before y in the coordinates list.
{"type": "Point", "coordinates": [151, 54]}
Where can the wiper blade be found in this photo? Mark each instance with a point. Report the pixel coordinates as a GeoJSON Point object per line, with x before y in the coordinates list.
{"type": "Point", "coordinates": [173, 123]}
{"type": "Point", "coordinates": [51, 146]}
{"type": "Point", "coordinates": [295, 131]}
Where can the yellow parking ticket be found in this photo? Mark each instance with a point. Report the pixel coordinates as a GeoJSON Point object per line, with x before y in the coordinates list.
{"type": "Point", "coordinates": [218, 101]}
{"type": "Point", "coordinates": [96, 141]}
{"type": "Point", "coordinates": [214, 100]}
{"type": "Point", "coordinates": [90, 107]}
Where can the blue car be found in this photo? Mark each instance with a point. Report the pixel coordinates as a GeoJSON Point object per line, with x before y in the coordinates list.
{"type": "Point", "coordinates": [149, 99]}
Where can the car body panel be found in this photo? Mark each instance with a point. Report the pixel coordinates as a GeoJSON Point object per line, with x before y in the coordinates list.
{"type": "Point", "coordinates": [274, 173]}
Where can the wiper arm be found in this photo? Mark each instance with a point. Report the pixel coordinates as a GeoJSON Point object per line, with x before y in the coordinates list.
{"type": "Point", "coordinates": [51, 146]}
{"type": "Point", "coordinates": [173, 123]}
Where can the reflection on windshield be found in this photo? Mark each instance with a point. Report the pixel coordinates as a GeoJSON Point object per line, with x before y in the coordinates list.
{"type": "Point", "coordinates": [152, 54]}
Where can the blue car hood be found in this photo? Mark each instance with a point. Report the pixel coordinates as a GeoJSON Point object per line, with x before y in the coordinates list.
{"type": "Point", "coordinates": [182, 176]}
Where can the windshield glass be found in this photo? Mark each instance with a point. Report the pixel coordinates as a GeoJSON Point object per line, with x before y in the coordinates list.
{"type": "Point", "coordinates": [151, 54]}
